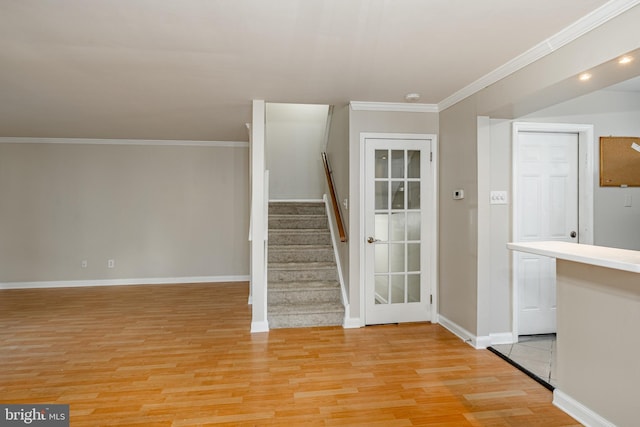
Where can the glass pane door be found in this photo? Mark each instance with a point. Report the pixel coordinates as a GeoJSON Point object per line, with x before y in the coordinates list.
{"type": "Point", "coordinates": [399, 245]}
{"type": "Point", "coordinates": [397, 226]}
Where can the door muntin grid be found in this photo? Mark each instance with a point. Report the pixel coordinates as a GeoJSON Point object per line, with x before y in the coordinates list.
{"type": "Point", "coordinates": [398, 213]}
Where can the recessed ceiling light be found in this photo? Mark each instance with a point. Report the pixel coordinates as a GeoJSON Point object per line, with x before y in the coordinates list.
{"type": "Point", "coordinates": [412, 97]}
{"type": "Point", "coordinates": [625, 60]}
{"type": "Point", "coordinates": [584, 77]}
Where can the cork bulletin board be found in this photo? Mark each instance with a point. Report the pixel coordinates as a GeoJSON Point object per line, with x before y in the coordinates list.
{"type": "Point", "coordinates": [619, 161]}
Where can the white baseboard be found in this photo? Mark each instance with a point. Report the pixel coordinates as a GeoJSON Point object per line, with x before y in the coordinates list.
{"type": "Point", "coordinates": [482, 342]}
{"type": "Point", "coordinates": [122, 282]}
{"type": "Point", "coordinates": [502, 338]}
{"type": "Point", "coordinates": [458, 331]}
{"type": "Point", "coordinates": [578, 411]}
{"type": "Point", "coordinates": [352, 323]}
{"type": "Point", "coordinates": [477, 342]}
{"type": "Point", "coordinates": [262, 326]}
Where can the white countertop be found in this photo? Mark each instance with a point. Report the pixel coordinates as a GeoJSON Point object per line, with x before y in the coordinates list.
{"type": "Point", "coordinates": [619, 259]}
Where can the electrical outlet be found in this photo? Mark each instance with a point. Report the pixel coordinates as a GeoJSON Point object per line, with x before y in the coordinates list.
{"type": "Point", "coordinates": [84, 263]}
{"type": "Point", "coordinates": [111, 263]}
{"type": "Point", "coordinates": [499, 198]}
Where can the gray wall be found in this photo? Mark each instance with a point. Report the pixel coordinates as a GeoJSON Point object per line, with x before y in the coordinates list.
{"type": "Point", "coordinates": [458, 218]}
{"type": "Point", "coordinates": [158, 211]}
{"type": "Point", "coordinates": [382, 122]}
{"type": "Point", "coordinates": [599, 302]}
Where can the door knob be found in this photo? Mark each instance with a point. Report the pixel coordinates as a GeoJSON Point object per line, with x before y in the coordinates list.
{"type": "Point", "coordinates": [372, 240]}
{"type": "Point", "coordinates": [573, 234]}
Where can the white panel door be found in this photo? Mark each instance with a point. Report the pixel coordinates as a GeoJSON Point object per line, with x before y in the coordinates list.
{"type": "Point", "coordinates": [398, 188]}
{"type": "Point", "coordinates": [547, 209]}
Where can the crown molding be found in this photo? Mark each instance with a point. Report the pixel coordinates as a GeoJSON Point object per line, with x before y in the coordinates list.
{"type": "Point", "coordinates": [393, 106]}
{"type": "Point", "coordinates": [93, 141]}
{"type": "Point", "coordinates": [582, 26]}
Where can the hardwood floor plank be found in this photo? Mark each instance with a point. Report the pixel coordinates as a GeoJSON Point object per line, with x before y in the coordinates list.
{"type": "Point", "coordinates": [333, 392]}
{"type": "Point", "coordinates": [182, 355]}
{"type": "Point", "coordinates": [365, 420]}
{"type": "Point", "coordinates": [494, 394]}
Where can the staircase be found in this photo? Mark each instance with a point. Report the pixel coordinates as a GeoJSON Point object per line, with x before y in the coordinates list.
{"type": "Point", "coordinates": [303, 289]}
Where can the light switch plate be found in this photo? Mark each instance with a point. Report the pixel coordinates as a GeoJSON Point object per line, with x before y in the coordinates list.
{"type": "Point", "coordinates": [499, 198]}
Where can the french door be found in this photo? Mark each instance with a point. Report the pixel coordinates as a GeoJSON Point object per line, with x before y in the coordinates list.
{"type": "Point", "coordinates": [398, 211]}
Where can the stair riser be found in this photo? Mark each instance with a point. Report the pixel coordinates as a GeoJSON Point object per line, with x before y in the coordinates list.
{"type": "Point", "coordinates": [277, 321]}
{"type": "Point", "coordinates": [287, 209]}
{"type": "Point", "coordinates": [316, 222]}
{"type": "Point", "coordinates": [304, 296]}
{"type": "Point", "coordinates": [302, 255]}
{"type": "Point", "coordinates": [302, 275]}
{"type": "Point", "coordinates": [319, 238]}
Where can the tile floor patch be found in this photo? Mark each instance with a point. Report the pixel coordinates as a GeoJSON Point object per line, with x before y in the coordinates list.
{"type": "Point", "coordinates": [535, 353]}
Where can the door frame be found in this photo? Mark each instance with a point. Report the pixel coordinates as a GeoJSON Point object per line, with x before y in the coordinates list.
{"type": "Point", "coordinates": [586, 182]}
{"type": "Point", "coordinates": [431, 220]}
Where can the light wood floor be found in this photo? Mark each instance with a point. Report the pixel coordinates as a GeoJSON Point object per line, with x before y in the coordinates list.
{"type": "Point", "coordinates": [183, 355]}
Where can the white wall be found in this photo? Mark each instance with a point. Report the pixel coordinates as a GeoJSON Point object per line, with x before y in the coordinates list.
{"type": "Point", "coordinates": [294, 140]}
{"type": "Point", "coordinates": [158, 211]}
{"type": "Point", "coordinates": [612, 114]}
{"type": "Point", "coordinates": [338, 155]}
{"type": "Point", "coordinates": [494, 267]}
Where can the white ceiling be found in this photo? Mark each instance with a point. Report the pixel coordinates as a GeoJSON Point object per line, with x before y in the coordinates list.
{"type": "Point", "coordinates": [188, 69]}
